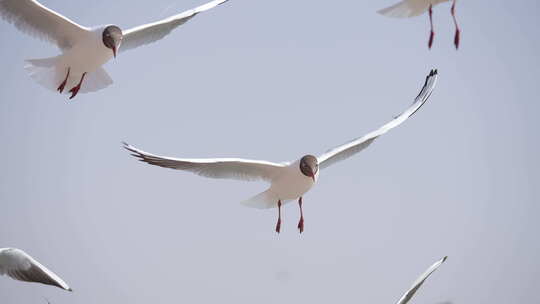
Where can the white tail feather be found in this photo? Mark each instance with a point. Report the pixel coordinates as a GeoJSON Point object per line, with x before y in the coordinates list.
{"type": "Point", "coordinates": [95, 81]}
{"type": "Point", "coordinates": [405, 9]}
{"type": "Point", "coordinates": [45, 72]}
{"type": "Point", "coordinates": [50, 72]}
{"type": "Point", "coordinates": [264, 200]}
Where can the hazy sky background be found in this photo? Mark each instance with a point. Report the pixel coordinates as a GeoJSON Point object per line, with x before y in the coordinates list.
{"type": "Point", "coordinates": [276, 79]}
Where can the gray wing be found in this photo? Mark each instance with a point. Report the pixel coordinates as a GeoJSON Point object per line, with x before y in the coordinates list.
{"type": "Point", "coordinates": [32, 18]}
{"type": "Point", "coordinates": [406, 297]}
{"type": "Point", "coordinates": [229, 168]}
{"type": "Point", "coordinates": [352, 147]}
{"type": "Point", "coordinates": [20, 266]}
{"type": "Point", "coordinates": [155, 31]}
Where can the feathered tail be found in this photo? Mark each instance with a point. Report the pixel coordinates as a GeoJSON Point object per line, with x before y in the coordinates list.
{"type": "Point", "coordinates": [264, 200]}
{"type": "Point", "coordinates": [45, 72]}
{"type": "Point", "coordinates": [51, 72]}
{"type": "Point", "coordinates": [405, 9]}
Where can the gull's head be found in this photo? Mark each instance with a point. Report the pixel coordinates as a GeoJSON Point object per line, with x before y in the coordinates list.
{"type": "Point", "coordinates": [112, 38]}
{"type": "Point", "coordinates": [309, 166]}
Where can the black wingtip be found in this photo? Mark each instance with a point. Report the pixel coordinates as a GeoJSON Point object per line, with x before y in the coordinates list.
{"type": "Point", "coordinates": [444, 259]}
{"type": "Point", "coordinates": [128, 147]}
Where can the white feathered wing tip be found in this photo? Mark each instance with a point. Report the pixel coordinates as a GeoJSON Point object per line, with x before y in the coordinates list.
{"type": "Point", "coordinates": [407, 296]}
{"type": "Point", "coordinates": [50, 73]}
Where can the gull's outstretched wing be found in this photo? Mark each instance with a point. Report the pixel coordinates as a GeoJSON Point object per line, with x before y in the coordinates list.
{"type": "Point", "coordinates": [155, 31]}
{"type": "Point", "coordinates": [20, 266]}
{"type": "Point", "coordinates": [32, 18]}
{"type": "Point", "coordinates": [347, 150]}
{"type": "Point", "coordinates": [230, 168]}
{"type": "Point", "coordinates": [406, 297]}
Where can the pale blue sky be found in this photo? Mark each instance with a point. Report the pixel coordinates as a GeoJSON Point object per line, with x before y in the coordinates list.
{"type": "Point", "coordinates": [460, 178]}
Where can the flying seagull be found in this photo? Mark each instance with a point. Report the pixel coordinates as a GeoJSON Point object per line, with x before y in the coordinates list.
{"type": "Point", "coordinates": [411, 8]}
{"type": "Point", "coordinates": [83, 49]}
{"type": "Point", "coordinates": [407, 296]}
{"type": "Point", "coordinates": [20, 266]}
{"type": "Point", "coordinates": [289, 180]}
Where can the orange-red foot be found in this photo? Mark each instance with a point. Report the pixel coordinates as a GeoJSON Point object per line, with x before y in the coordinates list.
{"type": "Point", "coordinates": [431, 37]}
{"type": "Point", "coordinates": [75, 90]}
{"type": "Point", "coordinates": [301, 225]}
{"type": "Point", "coordinates": [63, 84]}
{"type": "Point", "coordinates": [278, 226]}
{"type": "Point", "coordinates": [456, 39]}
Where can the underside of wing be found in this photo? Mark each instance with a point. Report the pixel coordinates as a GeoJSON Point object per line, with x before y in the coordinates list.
{"type": "Point", "coordinates": [407, 296]}
{"type": "Point", "coordinates": [32, 18]}
{"type": "Point", "coordinates": [148, 33]}
{"type": "Point", "coordinates": [20, 266]}
{"type": "Point", "coordinates": [347, 150]}
{"type": "Point", "coordinates": [225, 168]}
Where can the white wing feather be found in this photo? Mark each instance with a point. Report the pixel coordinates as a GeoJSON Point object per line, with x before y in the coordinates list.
{"type": "Point", "coordinates": [20, 266]}
{"type": "Point", "coordinates": [230, 168]}
{"type": "Point", "coordinates": [349, 149]}
{"type": "Point", "coordinates": [32, 18]}
{"type": "Point", "coordinates": [406, 297]}
{"type": "Point", "coordinates": [153, 32]}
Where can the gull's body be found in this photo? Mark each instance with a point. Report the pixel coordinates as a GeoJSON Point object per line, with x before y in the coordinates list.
{"type": "Point", "coordinates": [289, 180]}
{"type": "Point", "coordinates": [85, 57]}
{"type": "Point", "coordinates": [412, 8]}
{"type": "Point", "coordinates": [20, 266]}
{"type": "Point", "coordinates": [289, 184]}
{"type": "Point", "coordinates": [84, 50]}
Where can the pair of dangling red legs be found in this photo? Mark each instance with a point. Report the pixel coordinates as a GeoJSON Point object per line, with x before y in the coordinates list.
{"type": "Point", "coordinates": [432, 34]}
{"type": "Point", "coordinates": [73, 90]}
{"type": "Point", "coordinates": [300, 222]}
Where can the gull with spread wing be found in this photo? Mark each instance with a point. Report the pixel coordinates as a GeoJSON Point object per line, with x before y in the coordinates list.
{"type": "Point", "coordinates": [289, 180]}
{"type": "Point", "coordinates": [412, 8]}
{"type": "Point", "coordinates": [20, 266]}
{"type": "Point", "coordinates": [84, 49]}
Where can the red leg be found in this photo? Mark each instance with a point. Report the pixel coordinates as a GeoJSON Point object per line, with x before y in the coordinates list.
{"type": "Point", "coordinates": [301, 222]}
{"type": "Point", "coordinates": [432, 33]}
{"type": "Point", "coordinates": [63, 84]}
{"type": "Point", "coordinates": [278, 224]}
{"type": "Point", "coordinates": [456, 37]}
{"type": "Point", "coordinates": [76, 88]}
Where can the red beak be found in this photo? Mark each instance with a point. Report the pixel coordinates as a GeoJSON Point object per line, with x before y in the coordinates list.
{"type": "Point", "coordinates": [114, 51]}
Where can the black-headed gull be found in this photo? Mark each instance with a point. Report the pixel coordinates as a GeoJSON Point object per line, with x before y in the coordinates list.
{"type": "Point", "coordinates": [84, 49]}
{"type": "Point", "coordinates": [289, 180]}
{"type": "Point", "coordinates": [20, 266]}
{"type": "Point", "coordinates": [406, 297]}
{"type": "Point", "coordinates": [411, 8]}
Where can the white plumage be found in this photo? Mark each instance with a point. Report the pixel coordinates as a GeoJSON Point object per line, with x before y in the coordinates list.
{"type": "Point", "coordinates": [412, 8]}
{"type": "Point", "coordinates": [407, 296]}
{"type": "Point", "coordinates": [20, 266]}
{"type": "Point", "coordinates": [288, 180]}
{"type": "Point", "coordinates": [151, 32]}
{"type": "Point", "coordinates": [84, 51]}
{"type": "Point", "coordinates": [409, 8]}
